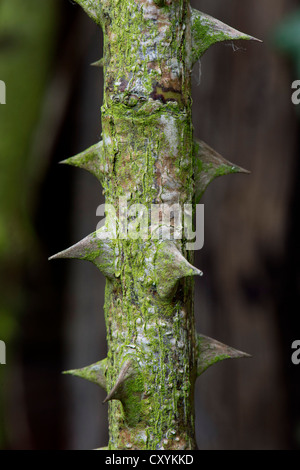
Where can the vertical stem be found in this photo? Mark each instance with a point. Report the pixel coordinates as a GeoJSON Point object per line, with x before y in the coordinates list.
{"type": "Point", "coordinates": [147, 135]}
{"type": "Point", "coordinates": [148, 165]}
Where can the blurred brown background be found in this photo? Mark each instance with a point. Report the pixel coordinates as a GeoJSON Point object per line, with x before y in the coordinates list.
{"type": "Point", "coordinates": [51, 314]}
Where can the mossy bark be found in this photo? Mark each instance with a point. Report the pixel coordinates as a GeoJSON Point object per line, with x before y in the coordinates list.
{"type": "Point", "coordinates": [148, 158]}
{"type": "Point", "coordinates": [147, 135]}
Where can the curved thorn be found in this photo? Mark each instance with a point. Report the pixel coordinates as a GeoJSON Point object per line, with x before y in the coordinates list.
{"type": "Point", "coordinates": [170, 266]}
{"type": "Point", "coordinates": [125, 373]}
{"type": "Point", "coordinates": [211, 351]}
{"type": "Point", "coordinates": [207, 31]}
{"type": "Point", "coordinates": [94, 373]}
{"type": "Point", "coordinates": [209, 165]}
{"type": "Point", "coordinates": [90, 160]}
{"type": "Point", "coordinates": [95, 249]}
{"type": "Point", "coordinates": [98, 63]}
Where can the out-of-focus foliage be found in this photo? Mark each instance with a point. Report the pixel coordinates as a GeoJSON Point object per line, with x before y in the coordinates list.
{"type": "Point", "coordinates": [287, 38]}
{"type": "Point", "coordinates": [27, 38]}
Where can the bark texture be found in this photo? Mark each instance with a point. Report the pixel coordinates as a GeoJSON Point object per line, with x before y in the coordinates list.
{"type": "Point", "coordinates": [148, 159]}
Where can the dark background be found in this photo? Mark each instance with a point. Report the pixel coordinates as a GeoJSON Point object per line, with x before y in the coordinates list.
{"type": "Point", "coordinates": [51, 313]}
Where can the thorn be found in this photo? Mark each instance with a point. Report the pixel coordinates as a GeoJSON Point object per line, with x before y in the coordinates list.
{"type": "Point", "coordinates": [90, 160]}
{"type": "Point", "coordinates": [95, 249]}
{"type": "Point", "coordinates": [98, 63]}
{"type": "Point", "coordinates": [125, 373]}
{"type": "Point", "coordinates": [211, 351]}
{"type": "Point", "coordinates": [209, 165]}
{"type": "Point", "coordinates": [170, 266]}
{"type": "Point", "coordinates": [207, 31]}
{"type": "Point", "coordinates": [94, 373]}
{"type": "Point", "coordinates": [91, 7]}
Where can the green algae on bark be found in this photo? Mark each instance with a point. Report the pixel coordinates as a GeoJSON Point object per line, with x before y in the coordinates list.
{"type": "Point", "coordinates": [147, 157]}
